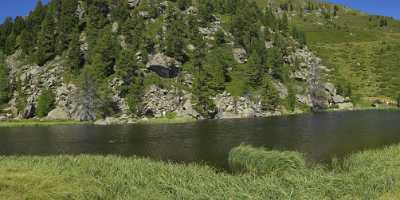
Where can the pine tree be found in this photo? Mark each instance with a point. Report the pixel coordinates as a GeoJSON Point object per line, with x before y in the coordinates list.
{"type": "Point", "coordinates": [4, 86]}
{"type": "Point", "coordinates": [45, 103]}
{"type": "Point", "coordinates": [74, 55]}
{"type": "Point", "coordinates": [291, 98]}
{"type": "Point", "coordinates": [284, 24]}
{"type": "Point", "coordinates": [67, 24]}
{"type": "Point", "coordinates": [133, 31]}
{"type": "Point", "coordinates": [46, 41]}
{"type": "Point", "coordinates": [202, 101]}
{"type": "Point", "coordinates": [126, 68]}
{"type": "Point", "coordinates": [398, 100]}
{"type": "Point", "coordinates": [270, 96]}
{"type": "Point", "coordinates": [183, 4]}
{"type": "Point", "coordinates": [10, 44]}
{"type": "Point", "coordinates": [276, 63]}
{"type": "Point", "coordinates": [26, 42]}
{"type": "Point", "coordinates": [134, 97]}
{"type": "Point", "coordinates": [174, 43]}
{"type": "Point", "coordinates": [96, 18]}
{"type": "Point", "coordinates": [103, 57]}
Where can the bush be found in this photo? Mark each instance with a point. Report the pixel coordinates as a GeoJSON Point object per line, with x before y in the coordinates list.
{"type": "Point", "coordinates": [246, 159]}
{"type": "Point", "coordinates": [45, 103]}
{"type": "Point", "coordinates": [171, 115]}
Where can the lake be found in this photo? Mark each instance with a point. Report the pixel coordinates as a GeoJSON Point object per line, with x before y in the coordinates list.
{"type": "Point", "coordinates": [320, 137]}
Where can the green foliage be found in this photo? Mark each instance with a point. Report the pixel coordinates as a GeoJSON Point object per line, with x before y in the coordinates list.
{"type": "Point", "coordinates": [45, 103]}
{"type": "Point", "coordinates": [174, 37]}
{"type": "Point", "coordinates": [398, 100]}
{"type": "Point", "coordinates": [202, 92]}
{"type": "Point", "coordinates": [300, 36]}
{"type": "Point", "coordinates": [134, 97]}
{"type": "Point", "coordinates": [365, 175]}
{"type": "Point", "coordinates": [183, 4]}
{"type": "Point", "coordinates": [171, 115]}
{"type": "Point", "coordinates": [103, 56]}
{"type": "Point", "coordinates": [4, 86]}
{"type": "Point", "coordinates": [46, 40]}
{"type": "Point", "coordinates": [291, 99]}
{"type": "Point", "coordinates": [67, 24]}
{"type": "Point", "coordinates": [126, 68]}
{"type": "Point", "coordinates": [259, 161]}
{"type": "Point", "coordinates": [269, 97]}
{"type": "Point", "coordinates": [74, 55]}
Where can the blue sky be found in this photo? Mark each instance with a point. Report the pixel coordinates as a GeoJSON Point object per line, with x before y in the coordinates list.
{"type": "Point", "coordinates": [378, 7]}
{"type": "Point", "coordinates": [15, 8]}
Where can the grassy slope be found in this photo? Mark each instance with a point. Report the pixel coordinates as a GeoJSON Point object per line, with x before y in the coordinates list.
{"type": "Point", "coordinates": [366, 175]}
{"type": "Point", "coordinates": [358, 51]}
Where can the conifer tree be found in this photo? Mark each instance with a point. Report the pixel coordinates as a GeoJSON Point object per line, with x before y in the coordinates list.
{"type": "Point", "coordinates": [74, 55]}
{"type": "Point", "coordinates": [174, 43]}
{"type": "Point", "coordinates": [26, 42]}
{"type": "Point", "coordinates": [270, 96]}
{"type": "Point", "coordinates": [46, 40]}
{"type": "Point", "coordinates": [67, 24]}
{"type": "Point", "coordinates": [45, 103]}
{"type": "Point", "coordinates": [4, 86]}
{"type": "Point", "coordinates": [103, 57]}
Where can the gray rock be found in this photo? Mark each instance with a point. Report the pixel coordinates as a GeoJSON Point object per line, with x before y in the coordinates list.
{"type": "Point", "coordinates": [240, 55]}
{"type": "Point", "coordinates": [304, 99]}
{"type": "Point", "coordinates": [337, 99]}
{"type": "Point", "coordinates": [58, 114]}
{"type": "Point", "coordinates": [345, 106]}
{"type": "Point", "coordinates": [109, 121]}
{"type": "Point", "coordinates": [329, 87]}
{"type": "Point", "coordinates": [133, 3]}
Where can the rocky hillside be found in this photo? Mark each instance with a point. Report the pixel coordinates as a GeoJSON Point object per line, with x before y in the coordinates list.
{"type": "Point", "coordinates": [89, 60]}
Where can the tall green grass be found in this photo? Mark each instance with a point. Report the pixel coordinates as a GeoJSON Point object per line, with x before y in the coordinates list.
{"type": "Point", "coordinates": [372, 174]}
{"type": "Point", "coordinates": [246, 159]}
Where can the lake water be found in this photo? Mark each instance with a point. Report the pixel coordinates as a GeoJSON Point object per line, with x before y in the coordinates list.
{"type": "Point", "coordinates": [320, 136]}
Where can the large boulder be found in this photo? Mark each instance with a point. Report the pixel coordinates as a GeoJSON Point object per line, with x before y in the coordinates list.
{"type": "Point", "coordinates": [240, 55]}
{"type": "Point", "coordinates": [133, 3]}
{"type": "Point", "coordinates": [58, 114]}
{"type": "Point", "coordinates": [163, 65]}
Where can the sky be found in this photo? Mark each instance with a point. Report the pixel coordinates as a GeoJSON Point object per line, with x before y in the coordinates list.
{"type": "Point", "coordinates": [391, 8]}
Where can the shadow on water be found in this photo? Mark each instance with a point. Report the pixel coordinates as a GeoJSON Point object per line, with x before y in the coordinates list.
{"type": "Point", "coordinates": [319, 136]}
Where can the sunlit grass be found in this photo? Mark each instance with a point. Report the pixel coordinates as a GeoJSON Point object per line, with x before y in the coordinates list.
{"type": "Point", "coordinates": [367, 175]}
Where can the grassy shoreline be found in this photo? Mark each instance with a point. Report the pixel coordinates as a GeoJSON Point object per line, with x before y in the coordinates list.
{"type": "Point", "coordinates": [38, 122]}
{"type": "Point", "coordinates": [373, 174]}
{"type": "Point", "coordinates": [178, 120]}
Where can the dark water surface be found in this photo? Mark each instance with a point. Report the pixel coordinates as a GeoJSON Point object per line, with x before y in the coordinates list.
{"type": "Point", "coordinates": [320, 136]}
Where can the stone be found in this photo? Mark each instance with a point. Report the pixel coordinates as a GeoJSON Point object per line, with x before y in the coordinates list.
{"type": "Point", "coordinates": [345, 106]}
{"type": "Point", "coordinates": [337, 99]}
{"type": "Point", "coordinates": [281, 88]}
{"type": "Point", "coordinates": [240, 55]}
{"type": "Point", "coordinates": [115, 27]}
{"type": "Point", "coordinates": [304, 99]}
{"type": "Point", "coordinates": [108, 121]}
{"type": "Point", "coordinates": [133, 3]}
{"type": "Point", "coordinates": [329, 87]}
{"type": "Point", "coordinates": [58, 114]}
{"type": "Point", "coordinates": [160, 59]}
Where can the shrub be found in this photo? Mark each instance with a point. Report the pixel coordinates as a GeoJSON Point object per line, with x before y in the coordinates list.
{"type": "Point", "coordinates": [171, 115]}
{"type": "Point", "coordinates": [45, 103]}
{"type": "Point", "coordinates": [246, 159]}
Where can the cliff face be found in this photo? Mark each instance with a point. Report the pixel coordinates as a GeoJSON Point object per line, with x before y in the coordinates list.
{"type": "Point", "coordinates": [147, 63]}
{"type": "Point", "coordinates": [312, 92]}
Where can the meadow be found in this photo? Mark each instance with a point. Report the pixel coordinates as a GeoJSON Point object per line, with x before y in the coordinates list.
{"type": "Point", "coordinates": [258, 174]}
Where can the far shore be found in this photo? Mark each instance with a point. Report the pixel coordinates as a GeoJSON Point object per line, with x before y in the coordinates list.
{"type": "Point", "coordinates": [164, 120]}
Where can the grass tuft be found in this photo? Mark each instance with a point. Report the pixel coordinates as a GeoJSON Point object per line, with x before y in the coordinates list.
{"type": "Point", "coordinates": [246, 159]}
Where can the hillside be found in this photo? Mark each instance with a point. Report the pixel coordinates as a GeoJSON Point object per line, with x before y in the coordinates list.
{"type": "Point", "coordinates": [87, 60]}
